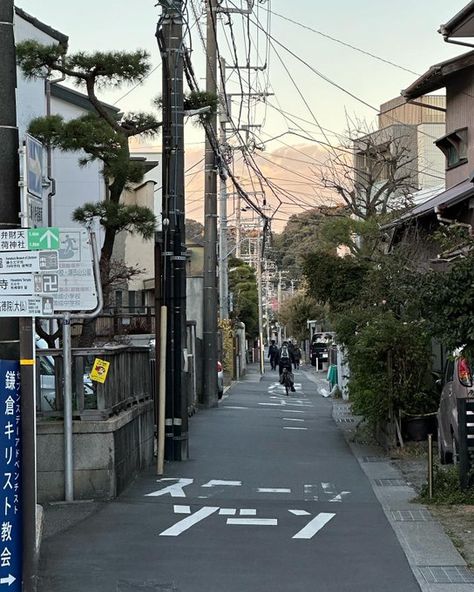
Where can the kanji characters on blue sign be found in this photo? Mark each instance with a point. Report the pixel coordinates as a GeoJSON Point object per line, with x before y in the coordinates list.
{"type": "Point", "coordinates": [10, 476]}
{"type": "Point", "coordinates": [34, 167]}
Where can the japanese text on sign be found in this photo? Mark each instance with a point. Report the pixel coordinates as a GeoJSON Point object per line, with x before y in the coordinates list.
{"type": "Point", "coordinates": [10, 475]}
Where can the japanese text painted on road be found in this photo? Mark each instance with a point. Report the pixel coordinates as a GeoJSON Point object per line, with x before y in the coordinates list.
{"type": "Point", "coordinates": [10, 477]}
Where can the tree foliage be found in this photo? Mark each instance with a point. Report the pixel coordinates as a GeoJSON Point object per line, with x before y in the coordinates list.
{"type": "Point", "coordinates": [296, 311]}
{"type": "Point", "coordinates": [243, 286]}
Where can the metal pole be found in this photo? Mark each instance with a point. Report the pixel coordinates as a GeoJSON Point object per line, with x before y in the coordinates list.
{"type": "Point", "coordinates": [260, 303]}
{"type": "Point", "coordinates": [430, 465]}
{"type": "Point", "coordinates": [223, 247]}
{"type": "Point", "coordinates": [162, 391]}
{"type": "Point", "coordinates": [170, 40]}
{"type": "Point", "coordinates": [67, 409]}
{"type": "Point", "coordinates": [210, 292]}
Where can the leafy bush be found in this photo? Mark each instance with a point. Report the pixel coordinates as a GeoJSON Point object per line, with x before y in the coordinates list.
{"type": "Point", "coordinates": [446, 489]}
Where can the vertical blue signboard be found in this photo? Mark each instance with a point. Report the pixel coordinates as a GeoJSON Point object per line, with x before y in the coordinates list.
{"type": "Point", "coordinates": [10, 477]}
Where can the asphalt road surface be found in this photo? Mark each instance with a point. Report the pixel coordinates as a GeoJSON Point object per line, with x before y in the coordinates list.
{"type": "Point", "coordinates": [271, 500]}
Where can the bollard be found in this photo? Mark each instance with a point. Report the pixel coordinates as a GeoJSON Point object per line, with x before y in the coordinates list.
{"type": "Point", "coordinates": [430, 466]}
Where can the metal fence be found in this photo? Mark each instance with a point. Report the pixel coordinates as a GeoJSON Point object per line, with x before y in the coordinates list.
{"type": "Point", "coordinates": [129, 381]}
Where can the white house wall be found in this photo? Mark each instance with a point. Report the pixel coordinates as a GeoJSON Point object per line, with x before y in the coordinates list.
{"type": "Point", "coordinates": [75, 185]}
{"type": "Point", "coordinates": [431, 161]}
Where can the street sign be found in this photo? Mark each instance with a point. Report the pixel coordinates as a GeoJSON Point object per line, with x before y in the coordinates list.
{"type": "Point", "coordinates": [29, 239]}
{"type": "Point", "coordinates": [30, 261]}
{"type": "Point", "coordinates": [27, 284]}
{"type": "Point", "coordinates": [26, 306]}
{"type": "Point", "coordinates": [34, 167]}
{"type": "Point", "coordinates": [43, 238]}
{"type": "Point", "coordinates": [35, 211]}
{"type": "Point", "coordinates": [99, 370]}
{"type": "Point", "coordinates": [10, 475]}
{"type": "Point", "coordinates": [76, 289]}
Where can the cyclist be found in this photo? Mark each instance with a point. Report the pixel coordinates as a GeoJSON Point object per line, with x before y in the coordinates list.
{"type": "Point", "coordinates": [285, 364]}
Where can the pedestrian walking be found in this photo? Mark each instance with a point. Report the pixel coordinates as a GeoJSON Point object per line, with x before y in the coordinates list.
{"type": "Point", "coordinates": [273, 354]}
{"type": "Point", "coordinates": [297, 355]}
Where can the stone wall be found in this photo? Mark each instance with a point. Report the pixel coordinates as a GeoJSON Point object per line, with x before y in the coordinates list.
{"type": "Point", "coordinates": [107, 454]}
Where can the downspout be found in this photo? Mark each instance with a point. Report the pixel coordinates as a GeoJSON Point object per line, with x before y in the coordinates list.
{"type": "Point", "coordinates": [49, 151]}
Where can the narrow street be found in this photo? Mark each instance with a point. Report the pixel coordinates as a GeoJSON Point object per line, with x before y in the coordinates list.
{"type": "Point", "coordinates": [272, 500]}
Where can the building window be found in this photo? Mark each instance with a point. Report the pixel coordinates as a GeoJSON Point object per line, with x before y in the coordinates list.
{"type": "Point", "coordinates": [454, 147]}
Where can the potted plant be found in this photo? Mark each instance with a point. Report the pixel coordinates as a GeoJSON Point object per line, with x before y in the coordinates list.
{"type": "Point", "coordinates": [420, 415]}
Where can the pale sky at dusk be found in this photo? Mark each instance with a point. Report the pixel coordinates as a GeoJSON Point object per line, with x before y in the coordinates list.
{"type": "Point", "coordinates": [404, 32]}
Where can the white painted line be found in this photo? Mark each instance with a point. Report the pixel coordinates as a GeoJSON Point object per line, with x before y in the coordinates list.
{"type": "Point", "coordinates": [271, 404]}
{"type": "Point", "coordinates": [314, 526]}
{"type": "Point", "coordinates": [217, 483]}
{"type": "Point", "coordinates": [292, 419]}
{"type": "Point", "coordinates": [227, 511]}
{"type": "Point", "coordinates": [235, 407]}
{"type": "Point", "coordinates": [182, 509]}
{"type": "Point", "coordinates": [252, 521]}
{"type": "Point", "coordinates": [273, 490]}
{"type": "Point", "coordinates": [339, 496]}
{"type": "Point", "coordinates": [175, 490]}
{"type": "Point", "coordinates": [299, 512]}
{"type": "Point", "coordinates": [294, 411]}
{"type": "Point", "coordinates": [293, 428]}
{"type": "Point", "coordinates": [188, 522]}
{"type": "Point", "coordinates": [248, 512]}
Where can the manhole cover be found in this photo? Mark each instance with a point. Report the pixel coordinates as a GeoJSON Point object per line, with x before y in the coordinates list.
{"type": "Point", "coordinates": [447, 575]}
{"type": "Point", "coordinates": [411, 516]}
{"type": "Point", "coordinates": [390, 482]}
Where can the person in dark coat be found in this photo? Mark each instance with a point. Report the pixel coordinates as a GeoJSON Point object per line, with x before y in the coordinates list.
{"type": "Point", "coordinates": [273, 354]}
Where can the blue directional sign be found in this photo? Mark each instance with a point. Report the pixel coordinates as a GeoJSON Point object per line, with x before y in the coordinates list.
{"type": "Point", "coordinates": [10, 477]}
{"type": "Point", "coordinates": [34, 167]}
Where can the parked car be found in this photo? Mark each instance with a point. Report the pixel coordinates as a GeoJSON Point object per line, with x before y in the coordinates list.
{"type": "Point", "coordinates": [220, 380]}
{"type": "Point", "coordinates": [456, 383]}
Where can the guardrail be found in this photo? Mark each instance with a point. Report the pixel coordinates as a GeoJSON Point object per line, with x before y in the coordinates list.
{"type": "Point", "coordinates": [129, 381]}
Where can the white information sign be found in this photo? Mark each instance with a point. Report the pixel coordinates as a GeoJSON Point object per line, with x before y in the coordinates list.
{"type": "Point", "coordinates": [27, 284]}
{"type": "Point", "coordinates": [28, 261]}
{"type": "Point", "coordinates": [76, 285]}
{"type": "Point", "coordinates": [26, 306]}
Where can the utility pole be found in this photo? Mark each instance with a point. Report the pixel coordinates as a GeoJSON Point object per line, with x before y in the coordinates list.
{"type": "Point", "coordinates": [209, 395]}
{"type": "Point", "coordinates": [223, 245]}
{"type": "Point", "coordinates": [10, 335]}
{"type": "Point", "coordinates": [260, 302]}
{"type": "Point", "coordinates": [279, 307]}
{"type": "Point", "coordinates": [170, 40]}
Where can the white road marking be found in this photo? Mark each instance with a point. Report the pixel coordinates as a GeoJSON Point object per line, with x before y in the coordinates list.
{"type": "Point", "coordinates": [314, 526]}
{"type": "Point", "coordinates": [252, 521]}
{"type": "Point", "coordinates": [292, 419]}
{"type": "Point", "coordinates": [227, 511]}
{"type": "Point", "coordinates": [187, 523]}
{"type": "Point", "coordinates": [339, 496]}
{"type": "Point", "coordinates": [273, 490]}
{"type": "Point", "coordinates": [182, 509]}
{"type": "Point", "coordinates": [234, 407]}
{"type": "Point", "coordinates": [294, 411]}
{"type": "Point", "coordinates": [299, 512]}
{"type": "Point", "coordinates": [175, 490]}
{"type": "Point", "coordinates": [309, 492]}
{"type": "Point", "coordinates": [273, 404]}
{"type": "Point", "coordinates": [293, 428]}
{"type": "Point", "coordinates": [248, 512]}
{"type": "Point", "coordinates": [217, 483]}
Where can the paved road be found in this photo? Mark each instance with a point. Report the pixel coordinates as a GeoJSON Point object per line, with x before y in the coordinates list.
{"type": "Point", "coordinates": [271, 500]}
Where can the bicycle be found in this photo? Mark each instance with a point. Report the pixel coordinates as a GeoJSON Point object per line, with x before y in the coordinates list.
{"type": "Point", "coordinates": [286, 381]}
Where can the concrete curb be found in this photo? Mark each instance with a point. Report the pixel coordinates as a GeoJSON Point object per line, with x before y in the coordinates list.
{"type": "Point", "coordinates": [429, 551]}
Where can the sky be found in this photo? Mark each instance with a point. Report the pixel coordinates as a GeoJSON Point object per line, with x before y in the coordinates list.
{"type": "Point", "coordinates": [404, 32]}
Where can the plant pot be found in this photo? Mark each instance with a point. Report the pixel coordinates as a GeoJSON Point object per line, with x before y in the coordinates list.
{"type": "Point", "coordinates": [418, 427]}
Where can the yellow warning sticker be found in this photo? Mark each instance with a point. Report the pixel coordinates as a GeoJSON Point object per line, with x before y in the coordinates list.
{"type": "Point", "coordinates": [99, 370]}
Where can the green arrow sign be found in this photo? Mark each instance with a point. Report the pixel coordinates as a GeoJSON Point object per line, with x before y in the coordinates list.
{"type": "Point", "coordinates": [41, 239]}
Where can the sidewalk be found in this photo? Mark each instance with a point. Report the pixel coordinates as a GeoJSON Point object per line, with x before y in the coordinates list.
{"type": "Point", "coordinates": [436, 563]}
